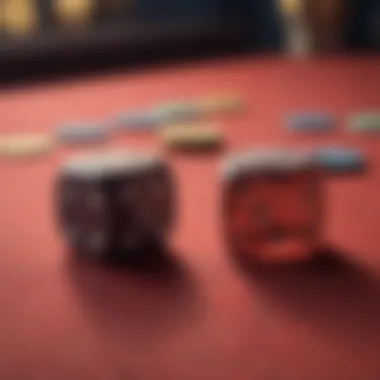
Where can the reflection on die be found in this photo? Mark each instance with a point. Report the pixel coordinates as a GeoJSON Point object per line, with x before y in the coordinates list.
{"type": "Point", "coordinates": [272, 206]}
{"type": "Point", "coordinates": [115, 205]}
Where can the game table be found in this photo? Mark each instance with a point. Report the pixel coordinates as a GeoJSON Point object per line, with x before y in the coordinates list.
{"type": "Point", "coordinates": [206, 317]}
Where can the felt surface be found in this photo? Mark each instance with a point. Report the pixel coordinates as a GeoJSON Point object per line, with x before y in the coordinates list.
{"type": "Point", "coordinates": [206, 318]}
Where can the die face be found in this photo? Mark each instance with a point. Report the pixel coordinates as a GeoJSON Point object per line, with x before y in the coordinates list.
{"type": "Point", "coordinates": [125, 199]}
{"type": "Point", "coordinates": [85, 217]}
{"type": "Point", "coordinates": [274, 218]}
{"type": "Point", "coordinates": [118, 213]}
{"type": "Point", "coordinates": [157, 198]}
{"type": "Point", "coordinates": [144, 205]}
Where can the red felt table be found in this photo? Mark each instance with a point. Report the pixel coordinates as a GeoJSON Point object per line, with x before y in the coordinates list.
{"type": "Point", "coordinates": [208, 319]}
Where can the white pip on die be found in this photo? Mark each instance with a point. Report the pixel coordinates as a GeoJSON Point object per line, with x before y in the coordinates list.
{"type": "Point", "coordinates": [115, 205]}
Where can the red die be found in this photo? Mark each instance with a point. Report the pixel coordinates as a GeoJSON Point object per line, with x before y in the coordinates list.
{"type": "Point", "coordinates": [272, 206]}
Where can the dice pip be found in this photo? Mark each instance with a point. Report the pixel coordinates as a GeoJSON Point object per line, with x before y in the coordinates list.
{"type": "Point", "coordinates": [115, 206]}
{"type": "Point", "coordinates": [272, 206]}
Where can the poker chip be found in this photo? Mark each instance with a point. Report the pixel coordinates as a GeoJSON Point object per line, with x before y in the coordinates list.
{"type": "Point", "coordinates": [310, 122]}
{"type": "Point", "coordinates": [192, 137]}
{"type": "Point", "coordinates": [82, 133]}
{"type": "Point", "coordinates": [223, 103]}
{"type": "Point", "coordinates": [365, 122]}
{"type": "Point", "coordinates": [178, 111]}
{"type": "Point", "coordinates": [138, 121]}
{"type": "Point", "coordinates": [337, 159]}
{"type": "Point", "coordinates": [24, 145]}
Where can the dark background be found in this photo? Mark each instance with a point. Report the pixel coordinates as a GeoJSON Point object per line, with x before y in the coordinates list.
{"type": "Point", "coordinates": [151, 31]}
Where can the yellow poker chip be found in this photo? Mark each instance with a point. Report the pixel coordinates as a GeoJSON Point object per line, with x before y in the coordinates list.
{"type": "Point", "coordinates": [25, 145]}
{"type": "Point", "coordinates": [221, 104]}
{"type": "Point", "coordinates": [192, 137]}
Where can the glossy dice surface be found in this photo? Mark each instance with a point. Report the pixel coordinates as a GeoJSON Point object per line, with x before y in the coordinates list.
{"type": "Point", "coordinates": [272, 206]}
{"type": "Point", "coordinates": [114, 205]}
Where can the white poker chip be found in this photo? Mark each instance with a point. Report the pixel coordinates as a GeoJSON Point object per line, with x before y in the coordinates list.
{"type": "Point", "coordinates": [179, 110]}
{"type": "Point", "coordinates": [25, 145]}
{"type": "Point", "coordinates": [310, 122]}
{"type": "Point", "coordinates": [82, 133]}
{"type": "Point", "coordinates": [138, 121]}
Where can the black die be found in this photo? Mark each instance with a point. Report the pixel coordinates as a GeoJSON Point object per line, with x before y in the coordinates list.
{"type": "Point", "coordinates": [115, 206]}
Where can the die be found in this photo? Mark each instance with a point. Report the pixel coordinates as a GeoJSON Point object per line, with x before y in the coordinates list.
{"type": "Point", "coordinates": [272, 206]}
{"type": "Point", "coordinates": [115, 206]}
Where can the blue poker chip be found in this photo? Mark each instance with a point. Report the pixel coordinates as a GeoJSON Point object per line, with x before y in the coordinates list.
{"type": "Point", "coordinates": [339, 159]}
{"type": "Point", "coordinates": [139, 121]}
{"type": "Point", "coordinates": [82, 133]}
{"type": "Point", "coordinates": [310, 122]}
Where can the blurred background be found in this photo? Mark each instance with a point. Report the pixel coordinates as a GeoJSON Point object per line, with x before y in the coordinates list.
{"type": "Point", "coordinates": [48, 37]}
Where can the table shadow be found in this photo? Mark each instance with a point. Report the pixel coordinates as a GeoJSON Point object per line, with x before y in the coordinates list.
{"type": "Point", "coordinates": [137, 303]}
{"type": "Point", "coordinates": [329, 293]}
